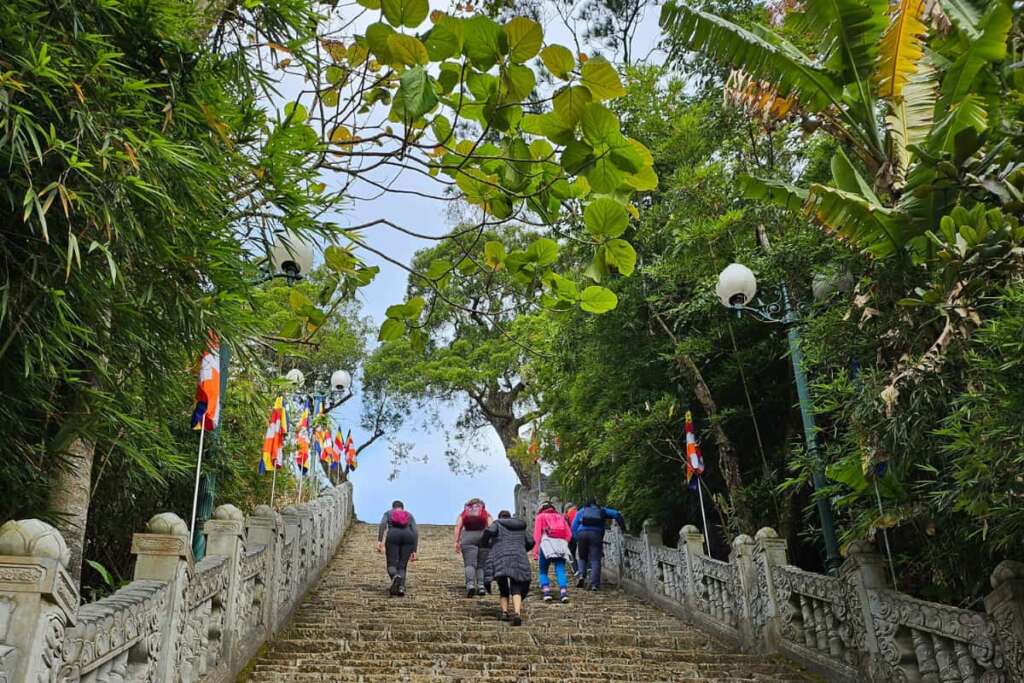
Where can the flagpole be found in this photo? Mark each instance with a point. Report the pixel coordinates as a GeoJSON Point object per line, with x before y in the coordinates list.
{"type": "Point", "coordinates": [302, 478]}
{"type": "Point", "coordinates": [199, 468]}
{"type": "Point", "coordinates": [700, 495]}
{"type": "Point", "coordinates": [885, 532]}
{"type": "Point", "coordinates": [273, 486]}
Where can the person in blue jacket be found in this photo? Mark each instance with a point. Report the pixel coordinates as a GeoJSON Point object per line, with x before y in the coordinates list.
{"type": "Point", "coordinates": [588, 531]}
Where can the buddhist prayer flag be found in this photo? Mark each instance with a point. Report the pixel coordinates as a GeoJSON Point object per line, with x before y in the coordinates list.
{"type": "Point", "coordinates": [694, 460]}
{"type": "Point", "coordinates": [338, 450]}
{"type": "Point", "coordinates": [207, 412]}
{"type": "Point", "coordinates": [273, 441]}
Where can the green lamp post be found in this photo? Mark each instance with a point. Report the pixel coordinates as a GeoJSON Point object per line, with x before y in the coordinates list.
{"type": "Point", "coordinates": [736, 289]}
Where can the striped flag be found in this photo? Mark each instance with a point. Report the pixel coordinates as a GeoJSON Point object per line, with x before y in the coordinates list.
{"type": "Point", "coordinates": [694, 460]}
{"type": "Point", "coordinates": [207, 412]}
{"type": "Point", "coordinates": [273, 441]}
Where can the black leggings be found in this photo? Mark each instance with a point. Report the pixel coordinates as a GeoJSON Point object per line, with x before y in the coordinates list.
{"type": "Point", "coordinates": [399, 546]}
{"type": "Point", "coordinates": [508, 587]}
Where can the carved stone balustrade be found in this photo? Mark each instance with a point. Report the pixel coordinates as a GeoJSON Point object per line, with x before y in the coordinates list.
{"type": "Point", "coordinates": [853, 627]}
{"type": "Point", "coordinates": [177, 621]}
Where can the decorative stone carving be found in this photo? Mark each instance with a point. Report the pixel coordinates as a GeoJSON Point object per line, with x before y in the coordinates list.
{"type": "Point", "coordinates": [167, 524]}
{"type": "Point", "coordinates": [228, 512]}
{"type": "Point", "coordinates": [33, 538]}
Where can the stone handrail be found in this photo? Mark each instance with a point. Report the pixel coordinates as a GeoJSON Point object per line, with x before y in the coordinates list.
{"type": "Point", "coordinates": [178, 621]}
{"type": "Point", "coordinates": [852, 627]}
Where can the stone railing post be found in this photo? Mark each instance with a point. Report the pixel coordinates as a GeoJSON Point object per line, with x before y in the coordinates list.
{"type": "Point", "coordinates": [692, 540]}
{"type": "Point", "coordinates": [651, 536]}
{"type": "Point", "coordinates": [863, 570]}
{"type": "Point", "coordinates": [1005, 605]}
{"type": "Point", "coordinates": [265, 527]}
{"type": "Point", "coordinates": [224, 534]}
{"type": "Point", "coordinates": [164, 554]}
{"type": "Point", "coordinates": [38, 600]}
{"type": "Point", "coordinates": [290, 560]}
{"type": "Point", "coordinates": [741, 556]}
{"type": "Point", "coordinates": [769, 551]}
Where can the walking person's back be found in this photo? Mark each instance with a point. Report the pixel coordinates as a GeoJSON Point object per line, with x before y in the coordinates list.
{"type": "Point", "coordinates": [469, 533]}
{"type": "Point", "coordinates": [551, 536]}
{"type": "Point", "coordinates": [398, 538]}
{"type": "Point", "coordinates": [588, 530]}
{"type": "Point", "coordinates": [508, 564]}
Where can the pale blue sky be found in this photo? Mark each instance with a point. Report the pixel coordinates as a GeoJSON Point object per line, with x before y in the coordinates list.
{"type": "Point", "coordinates": [430, 490]}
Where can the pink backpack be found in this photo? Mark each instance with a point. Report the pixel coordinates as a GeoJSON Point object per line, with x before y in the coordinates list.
{"type": "Point", "coordinates": [555, 526]}
{"type": "Point", "coordinates": [399, 518]}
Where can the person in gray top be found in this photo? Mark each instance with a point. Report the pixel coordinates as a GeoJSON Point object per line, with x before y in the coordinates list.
{"type": "Point", "coordinates": [507, 563]}
{"type": "Point", "coordinates": [398, 527]}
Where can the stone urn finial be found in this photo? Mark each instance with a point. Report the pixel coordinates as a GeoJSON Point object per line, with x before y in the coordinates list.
{"type": "Point", "coordinates": [167, 524]}
{"type": "Point", "coordinates": [228, 512]}
{"type": "Point", "coordinates": [33, 538]}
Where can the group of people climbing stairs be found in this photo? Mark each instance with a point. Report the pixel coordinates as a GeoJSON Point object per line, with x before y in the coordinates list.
{"type": "Point", "coordinates": [418, 626]}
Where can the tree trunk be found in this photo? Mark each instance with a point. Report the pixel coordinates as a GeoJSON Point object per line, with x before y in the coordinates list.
{"type": "Point", "coordinates": [69, 500]}
{"type": "Point", "coordinates": [508, 432]}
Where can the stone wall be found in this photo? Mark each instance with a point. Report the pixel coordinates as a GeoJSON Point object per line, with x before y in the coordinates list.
{"type": "Point", "coordinates": [848, 628]}
{"type": "Point", "coordinates": [178, 621]}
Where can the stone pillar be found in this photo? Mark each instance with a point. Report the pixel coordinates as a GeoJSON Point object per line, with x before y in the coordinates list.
{"type": "Point", "coordinates": [265, 527]}
{"type": "Point", "coordinates": [742, 557]}
{"type": "Point", "coordinates": [651, 536]}
{"type": "Point", "coordinates": [290, 560]}
{"type": "Point", "coordinates": [769, 551]}
{"type": "Point", "coordinates": [864, 569]}
{"type": "Point", "coordinates": [38, 600]}
{"type": "Point", "coordinates": [224, 534]}
{"type": "Point", "coordinates": [1005, 604]}
{"type": "Point", "coordinates": [164, 554]}
{"type": "Point", "coordinates": [692, 540]}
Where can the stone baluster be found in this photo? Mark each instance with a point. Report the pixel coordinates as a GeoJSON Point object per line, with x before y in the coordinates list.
{"type": "Point", "coordinates": [164, 554]}
{"type": "Point", "coordinates": [265, 527]}
{"type": "Point", "coordinates": [769, 551]}
{"type": "Point", "coordinates": [651, 536]}
{"type": "Point", "coordinates": [1005, 605]}
{"type": "Point", "coordinates": [742, 556]}
{"type": "Point", "coordinates": [864, 570]}
{"type": "Point", "coordinates": [292, 529]}
{"type": "Point", "coordinates": [692, 540]}
{"type": "Point", "coordinates": [224, 536]}
{"type": "Point", "coordinates": [38, 600]}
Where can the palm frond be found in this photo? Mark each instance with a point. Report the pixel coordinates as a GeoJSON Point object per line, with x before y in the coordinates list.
{"type": "Point", "coordinates": [901, 48]}
{"type": "Point", "coordinates": [963, 15]}
{"type": "Point", "coordinates": [969, 113]}
{"type": "Point", "coordinates": [849, 32]}
{"type": "Point", "coordinates": [912, 115]}
{"type": "Point", "coordinates": [864, 225]}
{"type": "Point", "coordinates": [781, 194]}
{"type": "Point", "coordinates": [765, 59]}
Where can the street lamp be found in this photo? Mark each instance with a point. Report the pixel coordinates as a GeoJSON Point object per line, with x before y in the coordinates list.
{"type": "Point", "coordinates": [737, 287]}
{"type": "Point", "coordinates": [333, 392]}
{"type": "Point", "coordinates": [291, 257]}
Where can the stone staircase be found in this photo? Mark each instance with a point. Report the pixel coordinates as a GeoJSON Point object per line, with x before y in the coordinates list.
{"type": "Point", "coordinates": [349, 629]}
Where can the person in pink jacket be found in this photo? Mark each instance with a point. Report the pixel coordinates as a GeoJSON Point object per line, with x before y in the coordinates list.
{"type": "Point", "coordinates": [551, 535]}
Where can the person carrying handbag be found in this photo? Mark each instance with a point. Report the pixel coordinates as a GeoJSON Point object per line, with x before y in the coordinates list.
{"type": "Point", "coordinates": [551, 535]}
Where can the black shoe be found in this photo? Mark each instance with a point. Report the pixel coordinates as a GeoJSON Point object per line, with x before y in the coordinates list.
{"type": "Point", "coordinates": [481, 592]}
{"type": "Point", "coordinates": [503, 616]}
{"type": "Point", "coordinates": [594, 589]}
{"type": "Point", "coordinates": [396, 585]}
{"type": "Point", "coordinates": [470, 592]}
{"type": "Point", "coordinates": [517, 620]}
{"type": "Point", "coordinates": [564, 598]}
{"type": "Point", "coordinates": [547, 597]}
{"type": "Point", "coordinates": [401, 591]}
{"type": "Point", "coordinates": [580, 582]}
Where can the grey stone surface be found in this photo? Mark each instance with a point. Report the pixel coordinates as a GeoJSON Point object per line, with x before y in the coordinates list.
{"type": "Point", "coordinates": [178, 621]}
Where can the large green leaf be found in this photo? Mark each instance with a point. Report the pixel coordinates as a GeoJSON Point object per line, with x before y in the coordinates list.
{"type": "Point", "coordinates": [596, 299]}
{"type": "Point", "coordinates": [410, 13]}
{"type": "Point", "coordinates": [519, 81]}
{"type": "Point", "coordinates": [621, 255]}
{"type": "Point", "coordinates": [415, 96]}
{"type": "Point", "coordinates": [600, 78]}
{"type": "Point", "coordinates": [525, 36]}
{"type": "Point", "coordinates": [964, 15]}
{"type": "Point", "coordinates": [494, 254]}
{"type": "Point", "coordinates": [789, 71]}
{"type": "Point", "coordinates": [969, 113]}
{"type": "Point", "coordinates": [787, 196]}
{"type": "Point", "coordinates": [570, 101]}
{"type": "Point", "coordinates": [989, 46]}
{"type": "Point", "coordinates": [604, 176]}
{"type": "Point", "coordinates": [558, 60]}
{"type": "Point", "coordinates": [606, 217]}
{"type": "Point", "coordinates": [599, 124]}
{"type": "Point", "coordinates": [484, 40]}
{"type": "Point", "coordinates": [543, 251]}
{"type": "Point", "coordinates": [877, 230]}
{"type": "Point", "coordinates": [850, 32]}
{"type": "Point", "coordinates": [576, 157]}
{"type": "Point", "coordinates": [407, 50]}
{"type": "Point", "coordinates": [445, 39]}
{"type": "Point", "coordinates": [391, 329]}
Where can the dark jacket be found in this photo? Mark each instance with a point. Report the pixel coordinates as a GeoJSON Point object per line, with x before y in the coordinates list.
{"type": "Point", "coordinates": [509, 544]}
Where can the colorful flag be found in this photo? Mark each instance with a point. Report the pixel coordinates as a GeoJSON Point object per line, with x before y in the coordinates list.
{"type": "Point", "coordinates": [338, 450]}
{"type": "Point", "coordinates": [302, 451]}
{"type": "Point", "coordinates": [207, 412]}
{"type": "Point", "coordinates": [273, 441]}
{"type": "Point", "coordinates": [694, 460]}
{"type": "Point", "coordinates": [350, 453]}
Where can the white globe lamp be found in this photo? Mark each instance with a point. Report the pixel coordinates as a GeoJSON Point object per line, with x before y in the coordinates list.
{"type": "Point", "coordinates": [736, 285]}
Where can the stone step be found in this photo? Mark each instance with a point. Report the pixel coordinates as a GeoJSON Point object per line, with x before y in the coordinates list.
{"type": "Point", "coordinates": [349, 629]}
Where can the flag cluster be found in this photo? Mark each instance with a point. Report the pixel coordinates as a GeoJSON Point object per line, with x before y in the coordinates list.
{"type": "Point", "coordinates": [694, 459]}
{"type": "Point", "coordinates": [326, 445]}
{"type": "Point", "coordinates": [207, 412]}
{"type": "Point", "coordinates": [273, 442]}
